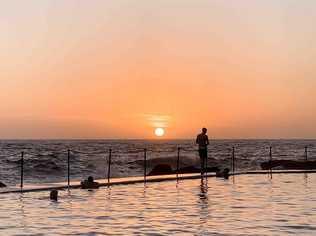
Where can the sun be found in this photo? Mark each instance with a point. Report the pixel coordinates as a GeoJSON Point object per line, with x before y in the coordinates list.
{"type": "Point", "coordinates": [159, 132]}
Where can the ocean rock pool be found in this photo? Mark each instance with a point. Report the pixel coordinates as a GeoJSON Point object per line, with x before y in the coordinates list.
{"type": "Point", "coordinates": [242, 205]}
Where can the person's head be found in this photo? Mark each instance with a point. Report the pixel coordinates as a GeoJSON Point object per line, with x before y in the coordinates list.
{"type": "Point", "coordinates": [204, 130]}
{"type": "Point", "coordinates": [53, 195]}
{"type": "Point", "coordinates": [90, 179]}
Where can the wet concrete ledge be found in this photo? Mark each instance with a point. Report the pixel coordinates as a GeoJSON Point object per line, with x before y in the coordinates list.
{"type": "Point", "coordinates": [136, 180]}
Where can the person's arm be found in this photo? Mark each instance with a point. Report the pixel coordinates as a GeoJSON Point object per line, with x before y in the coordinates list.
{"type": "Point", "coordinates": [197, 140]}
{"type": "Point", "coordinates": [207, 141]}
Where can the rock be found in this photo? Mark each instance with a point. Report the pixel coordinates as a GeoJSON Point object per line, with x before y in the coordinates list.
{"type": "Point", "coordinates": [193, 169]}
{"type": "Point", "coordinates": [172, 161]}
{"type": "Point", "coordinates": [189, 169]}
{"type": "Point", "coordinates": [161, 169]}
{"type": "Point", "coordinates": [165, 169]}
{"type": "Point", "coordinates": [2, 185]}
{"type": "Point", "coordinates": [289, 165]}
{"type": "Point", "coordinates": [212, 169]}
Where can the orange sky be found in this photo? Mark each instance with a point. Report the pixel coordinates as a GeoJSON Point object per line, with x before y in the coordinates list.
{"type": "Point", "coordinates": [117, 69]}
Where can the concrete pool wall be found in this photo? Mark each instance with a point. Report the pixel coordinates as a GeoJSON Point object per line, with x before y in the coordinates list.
{"type": "Point", "coordinates": [135, 180]}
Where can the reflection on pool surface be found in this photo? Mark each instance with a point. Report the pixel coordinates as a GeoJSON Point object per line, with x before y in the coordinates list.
{"type": "Point", "coordinates": [243, 205]}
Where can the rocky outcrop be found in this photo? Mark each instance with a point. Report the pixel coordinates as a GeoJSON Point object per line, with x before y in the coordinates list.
{"type": "Point", "coordinates": [165, 169]}
{"type": "Point", "coordinates": [161, 169]}
{"type": "Point", "coordinates": [2, 185]}
{"type": "Point", "coordinates": [193, 169]}
{"type": "Point", "coordinates": [289, 165]}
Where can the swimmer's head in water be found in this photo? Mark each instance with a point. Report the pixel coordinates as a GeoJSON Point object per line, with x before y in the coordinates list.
{"type": "Point", "coordinates": [90, 179]}
{"type": "Point", "coordinates": [53, 195]}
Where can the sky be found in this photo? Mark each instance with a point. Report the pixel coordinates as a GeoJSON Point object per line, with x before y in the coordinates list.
{"type": "Point", "coordinates": [121, 68]}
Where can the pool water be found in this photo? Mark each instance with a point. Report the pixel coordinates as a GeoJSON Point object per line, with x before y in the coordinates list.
{"type": "Point", "coordinates": [242, 205]}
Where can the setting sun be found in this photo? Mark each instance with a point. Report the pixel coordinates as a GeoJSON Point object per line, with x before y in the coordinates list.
{"type": "Point", "coordinates": [159, 132]}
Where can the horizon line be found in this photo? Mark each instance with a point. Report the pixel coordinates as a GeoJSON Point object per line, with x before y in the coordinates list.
{"type": "Point", "coordinates": [147, 139]}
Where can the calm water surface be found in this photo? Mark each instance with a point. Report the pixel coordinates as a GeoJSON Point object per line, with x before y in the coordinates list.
{"type": "Point", "coordinates": [243, 205]}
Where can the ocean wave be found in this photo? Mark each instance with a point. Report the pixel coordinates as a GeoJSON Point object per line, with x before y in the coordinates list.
{"type": "Point", "coordinates": [47, 160]}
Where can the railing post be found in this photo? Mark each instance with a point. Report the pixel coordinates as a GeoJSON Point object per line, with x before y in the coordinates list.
{"type": "Point", "coordinates": [109, 165]}
{"type": "Point", "coordinates": [22, 170]}
{"type": "Point", "coordinates": [68, 167]}
{"type": "Point", "coordinates": [270, 156]}
{"type": "Point", "coordinates": [306, 153]}
{"type": "Point", "coordinates": [145, 164]}
{"type": "Point", "coordinates": [178, 163]}
{"type": "Point", "coordinates": [233, 159]}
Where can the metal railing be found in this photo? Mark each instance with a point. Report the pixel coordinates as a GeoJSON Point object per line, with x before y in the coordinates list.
{"type": "Point", "coordinates": [109, 160]}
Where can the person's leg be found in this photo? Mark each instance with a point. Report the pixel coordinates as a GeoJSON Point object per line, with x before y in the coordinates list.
{"type": "Point", "coordinates": [205, 161]}
{"type": "Point", "coordinates": [201, 161]}
{"type": "Point", "coordinates": [202, 165]}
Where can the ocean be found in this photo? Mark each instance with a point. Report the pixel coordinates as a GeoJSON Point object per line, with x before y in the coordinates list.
{"type": "Point", "coordinates": [46, 160]}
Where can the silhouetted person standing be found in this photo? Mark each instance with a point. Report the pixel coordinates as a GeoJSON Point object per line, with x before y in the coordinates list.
{"type": "Point", "coordinates": [203, 142]}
